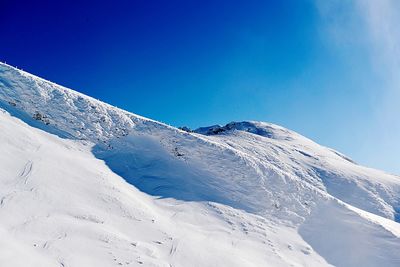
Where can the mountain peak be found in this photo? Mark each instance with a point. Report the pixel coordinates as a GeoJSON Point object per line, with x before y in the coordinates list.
{"type": "Point", "coordinates": [147, 193]}
{"type": "Point", "coordinates": [255, 127]}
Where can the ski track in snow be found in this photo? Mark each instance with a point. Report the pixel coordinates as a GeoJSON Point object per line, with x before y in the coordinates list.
{"type": "Point", "coordinates": [83, 183]}
{"type": "Point", "coordinates": [26, 171]}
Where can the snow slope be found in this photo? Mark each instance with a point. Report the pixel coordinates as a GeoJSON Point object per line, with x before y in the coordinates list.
{"type": "Point", "coordinates": [83, 183]}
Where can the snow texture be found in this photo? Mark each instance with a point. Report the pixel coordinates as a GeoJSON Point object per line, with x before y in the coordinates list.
{"type": "Point", "coordinates": [83, 183]}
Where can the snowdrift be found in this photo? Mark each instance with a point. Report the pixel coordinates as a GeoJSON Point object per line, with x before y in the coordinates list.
{"type": "Point", "coordinates": [83, 183]}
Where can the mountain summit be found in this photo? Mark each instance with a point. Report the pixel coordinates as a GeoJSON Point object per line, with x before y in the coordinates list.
{"type": "Point", "coordinates": [83, 183]}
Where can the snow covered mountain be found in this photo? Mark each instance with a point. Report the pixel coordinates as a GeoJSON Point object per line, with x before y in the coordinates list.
{"type": "Point", "coordinates": [83, 183]}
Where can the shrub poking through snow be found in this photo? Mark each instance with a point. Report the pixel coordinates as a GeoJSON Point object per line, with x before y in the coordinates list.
{"type": "Point", "coordinates": [39, 117]}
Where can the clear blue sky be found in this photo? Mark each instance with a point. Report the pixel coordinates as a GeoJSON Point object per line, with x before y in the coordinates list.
{"type": "Point", "coordinates": [325, 68]}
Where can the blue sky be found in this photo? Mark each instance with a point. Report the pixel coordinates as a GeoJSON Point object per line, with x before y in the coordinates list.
{"type": "Point", "coordinates": [325, 68]}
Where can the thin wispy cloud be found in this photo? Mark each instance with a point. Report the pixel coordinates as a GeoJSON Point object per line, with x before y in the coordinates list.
{"type": "Point", "coordinates": [382, 18]}
{"type": "Point", "coordinates": [370, 28]}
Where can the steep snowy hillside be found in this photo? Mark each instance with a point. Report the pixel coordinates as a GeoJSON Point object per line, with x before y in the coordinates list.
{"type": "Point", "coordinates": [83, 183]}
{"type": "Point", "coordinates": [324, 168]}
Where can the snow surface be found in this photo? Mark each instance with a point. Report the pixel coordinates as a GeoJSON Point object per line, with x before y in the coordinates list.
{"type": "Point", "coordinates": [83, 183]}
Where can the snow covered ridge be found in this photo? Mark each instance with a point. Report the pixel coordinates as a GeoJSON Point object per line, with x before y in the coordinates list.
{"type": "Point", "coordinates": [243, 194]}
{"type": "Point", "coordinates": [255, 127]}
{"type": "Point", "coordinates": [264, 149]}
{"type": "Point", "coordinates": [74, 114]}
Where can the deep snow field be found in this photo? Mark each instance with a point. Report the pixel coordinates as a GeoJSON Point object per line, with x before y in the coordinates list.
{"type": "Point", "coordinates": [83, 183]}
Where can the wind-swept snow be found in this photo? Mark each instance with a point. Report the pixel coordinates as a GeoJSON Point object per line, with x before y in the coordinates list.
{"type": "Point", "coordinates": [85, 184]}
{"type": "Point", "coordinates": [73, 211]}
